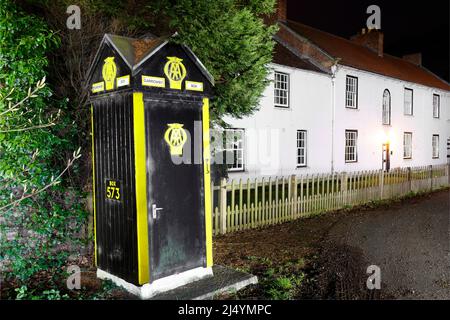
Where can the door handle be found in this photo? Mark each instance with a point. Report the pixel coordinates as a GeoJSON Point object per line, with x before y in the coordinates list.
{"type": "Point", "coordinates": [155, 211]}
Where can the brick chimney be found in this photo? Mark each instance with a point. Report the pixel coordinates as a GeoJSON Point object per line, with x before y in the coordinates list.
{"type": "Point", "coordinates": [414, 58]}
{"type": "Point", "coordinates": [372, 39]}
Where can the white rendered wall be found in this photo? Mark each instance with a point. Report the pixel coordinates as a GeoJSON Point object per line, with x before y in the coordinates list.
{"type": "Point", "coordinates": [367, 119]}
{"type": "Point", "coordinates": [275, 129]}
{"type": "Point", "coordinates": [311, 97]}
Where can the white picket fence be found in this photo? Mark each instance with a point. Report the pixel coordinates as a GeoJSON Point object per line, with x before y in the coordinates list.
{"type": "Point", "coordinates": [239, 205]}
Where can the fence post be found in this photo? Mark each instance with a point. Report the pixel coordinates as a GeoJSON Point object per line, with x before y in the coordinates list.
{"type": "Point", "coordinates": [223, 206]}
{"type": "Point", "coordinates": [293, 194]}
{"type": "Point", "coordinates": [409, 179]}
{"type": "Point", "coordinates": [430, 167]}
{"type": "Point", "coordinates": [344, 188]}
{"type": "Point", "coordinates": [448, 173]}
{"type": "Point", "coordinates": [381, 184]}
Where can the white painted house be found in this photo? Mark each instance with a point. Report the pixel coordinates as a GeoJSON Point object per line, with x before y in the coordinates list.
{"type": "Point", "coordinates": [340, 105]}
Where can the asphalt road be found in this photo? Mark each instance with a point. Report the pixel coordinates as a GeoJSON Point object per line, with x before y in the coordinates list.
{"type": "Point", "coordinates": [408, 241]}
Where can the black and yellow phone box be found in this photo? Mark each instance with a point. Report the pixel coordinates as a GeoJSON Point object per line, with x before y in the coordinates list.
{"type": "Point", "coordinates": [151, 160]}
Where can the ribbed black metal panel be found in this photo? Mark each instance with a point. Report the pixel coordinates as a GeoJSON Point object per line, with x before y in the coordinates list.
{"type": "Point", "coordinates": [114, 161]}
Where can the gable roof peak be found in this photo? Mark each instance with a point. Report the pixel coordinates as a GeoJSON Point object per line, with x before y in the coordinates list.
{"type": "Point", "coordinates": [135, 51]}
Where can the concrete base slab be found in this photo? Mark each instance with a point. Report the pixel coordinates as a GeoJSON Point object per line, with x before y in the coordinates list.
{"type": "Point", "coordinates": [196, 284]}
{"type": "Point", "coordinates": [159, 286]}
{"type": "Point", "coordinates": [225, 280]}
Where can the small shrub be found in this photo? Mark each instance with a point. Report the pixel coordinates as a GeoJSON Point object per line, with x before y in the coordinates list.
{"type": "Point", "coordinates": [284, 287]}
{"type": "Point", "coordinates": [23, 293]}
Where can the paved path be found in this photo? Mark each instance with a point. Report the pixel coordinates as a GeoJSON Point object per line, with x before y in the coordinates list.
{"type": "Point", "coordinates": [409, 242]}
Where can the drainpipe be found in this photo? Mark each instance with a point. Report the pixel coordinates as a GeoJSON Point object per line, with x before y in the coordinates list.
{"type": "Point", "coordinates": [333, 108]}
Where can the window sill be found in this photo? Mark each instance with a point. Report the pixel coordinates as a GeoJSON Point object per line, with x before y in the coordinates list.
{"type": "Point", "coordinates": [351, 161]}
{"type": "Point", "coordinates": [236, 171]}
{"type": "Point", "coordinates": [282, 108]}
{"type": "Point", "coordinates": [301, 167]}
{"type": "Point", "coordinates": [352, 108]}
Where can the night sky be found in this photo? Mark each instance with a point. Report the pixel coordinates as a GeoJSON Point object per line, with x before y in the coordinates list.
{"type": "Point", "coordinates": [408, 26]}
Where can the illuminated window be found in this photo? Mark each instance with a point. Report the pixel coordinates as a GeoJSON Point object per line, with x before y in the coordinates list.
{"type": "Point", "coordinates": [301, 148]}
{"type": "Point", "coordinates": [408, 104]}
{"type": "Point", "coordinates": [407, 145]}
{"type": "Point", "coordinates": [436, 105]}
{"type": "Point", "coordinates": [435, 146]}
{"type": "Point", "coordinates": [234, 149]}
{"type": "Point", "coordinates": [351, 144]}
{"type": "Point", "coordinates": [281, 94]}
{"type": "Point", "coordinates": [351, 92]}
{"type": "Point", "coordinates": [386, 107]}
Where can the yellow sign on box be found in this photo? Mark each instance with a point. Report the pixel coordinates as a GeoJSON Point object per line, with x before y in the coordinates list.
{"type": "Point", "coordinates": [175, 71]}
{"type": "Point", "coordinates": [109, 72]}
{"type": "Point", "coordinates": [175, 137]}
{"type": "Point", "coordinates": [123, 81]}
{"type": "Point", "coordinates": [149, 81]}
{"type": "Point", "coordinates": [98, 87]}
{"type": "Point", "coordinates": [113, 190]}
{"type": "Point", "coordinates": [194, 86]}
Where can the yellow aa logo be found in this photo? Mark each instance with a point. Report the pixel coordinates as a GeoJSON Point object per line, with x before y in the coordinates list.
{"type": "Point", "coordinates": [109, 72]}
{"type": "Point", "coordinates": [175, 137]}
{"type": "Point", "coordinates": [175, 71]}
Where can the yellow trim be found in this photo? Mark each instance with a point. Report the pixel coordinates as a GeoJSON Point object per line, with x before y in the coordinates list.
{"type": "Point", "coordinates": [93, 185]}
{"type": "Point", "coordinates": [141, 187]}
{"type": "Point", "coordinates": [207, 173]}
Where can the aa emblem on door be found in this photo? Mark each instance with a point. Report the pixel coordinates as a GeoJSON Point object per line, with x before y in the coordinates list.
{"type": "Point", "coordinates": [176, 137]}
{"type": "Point", "coordinates": [175, 71]}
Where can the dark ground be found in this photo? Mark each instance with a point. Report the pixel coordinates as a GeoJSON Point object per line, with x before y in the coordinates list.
{"type": "Point", "coordinates": [409, 243]}
{"type": "Point", "coordinates": [326, 257]}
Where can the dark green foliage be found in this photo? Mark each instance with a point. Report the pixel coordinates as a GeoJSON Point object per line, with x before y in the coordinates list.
{"type": "Point", "coordinates": [32, 232]}
{"type": "Point", "coordinates": [24, 41]}
{"type": "Point", "coordinates": [232, 40]}
{"type": "Point", "coordinates": [228, 36]}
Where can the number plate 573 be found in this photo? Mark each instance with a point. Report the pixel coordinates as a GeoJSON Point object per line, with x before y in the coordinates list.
{"type": "Point", "coordinates": [113, 191]}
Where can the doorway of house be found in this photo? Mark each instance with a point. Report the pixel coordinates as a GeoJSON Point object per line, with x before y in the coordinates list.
{"type": "Point", "coordinates": [448, 150]}
{"type": "Point", "coordinates": [386, 157]}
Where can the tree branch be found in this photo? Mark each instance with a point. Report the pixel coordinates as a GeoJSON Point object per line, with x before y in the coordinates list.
{"type": "Point", "coordinates": [54, 181]}
{"type": "Point", "coordinates": [31, 94]}
{"type": "Point", "coordinates": [29, 128]}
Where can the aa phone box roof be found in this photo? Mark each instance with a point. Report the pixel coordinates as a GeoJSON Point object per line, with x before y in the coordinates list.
{"type": "Point", "coordinates": [156, 65]}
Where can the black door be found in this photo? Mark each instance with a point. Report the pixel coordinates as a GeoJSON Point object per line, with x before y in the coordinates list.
{"type": "Point", "coordinates": [175, 187]}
